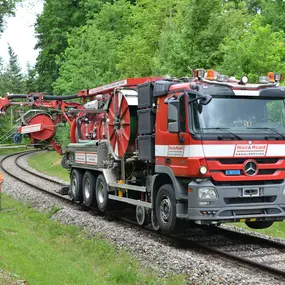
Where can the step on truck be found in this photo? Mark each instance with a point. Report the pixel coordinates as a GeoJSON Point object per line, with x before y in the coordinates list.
{"type": "Point", "coordinates": [208, 149]}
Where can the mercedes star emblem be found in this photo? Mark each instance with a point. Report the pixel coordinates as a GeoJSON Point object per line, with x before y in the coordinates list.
{"type": "Point", "coordinates": [250, 167]}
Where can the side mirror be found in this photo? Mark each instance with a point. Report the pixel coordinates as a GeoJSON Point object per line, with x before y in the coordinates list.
{"type": "Point", "coordinates": [173, 116]}
{"type": "Point", "coordinates": [205, 100]}
{"type": "Point", "coordinates": [202, 99]}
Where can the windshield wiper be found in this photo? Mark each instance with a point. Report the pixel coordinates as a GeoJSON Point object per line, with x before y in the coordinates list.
{"type": "Point", "coordinates": [269, 129]}
{"type": "Point", "coordinates": [224, 130]}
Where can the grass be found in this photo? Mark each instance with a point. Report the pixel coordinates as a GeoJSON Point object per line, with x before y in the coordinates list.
{"type": "Point", "coordinates": [6, 151]}
{"type": "Point", "coordinates": [42, 251]}
{"type": "Point", "coordinates": [276, 230]}
{"type": "Point", "coordinates": [49, 163]}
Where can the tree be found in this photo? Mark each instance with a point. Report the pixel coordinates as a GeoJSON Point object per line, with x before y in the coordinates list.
{"type": "Point", "coordinates": [91, 58]}
{"type": "Point", "coordinates": [252, 6]}
{"type": "Point", "coordinates": [192, 39]}
{"type": "Point", "coordinates": [30, 80]}
{"type": "Point", "coordinates": [52, 27]}
{"type": "Point", "coordinates": [7, 7]}
{"type": "Point", "coordinates": [255, 52]}
{"type": "Point", "coordinates": [273, 14]}
{"type": "Point", "coordinates": [14, 76]}
{"type": "Point", "coordinates": [137, 50]}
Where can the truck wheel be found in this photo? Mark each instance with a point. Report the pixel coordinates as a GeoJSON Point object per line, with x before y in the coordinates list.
{"type": "Point", "coordinates": [259, 225]}
{"type": "Point", "coordinates": [75, 192]}
{"type": "Point", "coordinates": [63, 162]}
{"type": "Point", "coordinates": [165, 206]}
{"type": "Point", "coordinates": [101, 193]}
{"type": "Point", "coordinates": [89, 184]}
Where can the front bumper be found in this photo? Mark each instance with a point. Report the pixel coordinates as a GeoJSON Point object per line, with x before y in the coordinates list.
{"type": "Point", "coordinates": [232, 205]}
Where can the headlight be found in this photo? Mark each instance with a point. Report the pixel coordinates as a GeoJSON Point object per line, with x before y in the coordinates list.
{"type": "Point", "coordinates": [207, 193]}
{"type": "Point", "coordinates": [244, 80]}
{"type": "Point", "coordinates": [203, 170]}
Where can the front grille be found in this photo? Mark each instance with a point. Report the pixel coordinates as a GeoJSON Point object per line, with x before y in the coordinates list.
{"type": "Point", "coordinates": [242, 160]}
{"type": "Point", "coordinates": [266, 171]}
{"type": "Point", "coordinates": [248, 200]}
{"type": "Point", "coordinates": [260, 172]}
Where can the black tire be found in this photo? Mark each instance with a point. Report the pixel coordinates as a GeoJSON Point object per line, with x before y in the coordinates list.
{"type": "Point", "coordinates": [75, 191]}
{"type": "Point", "coordinates": [101, 193]}
{"type": "Point", "coordinates": [165, 208]}
{"type": "Point", "coordinates": [154, 222]}
{"type": "Point", "coordinates": [259, 225]}
{"type": "Point", "coordinates": [88, 189]}
{"type": "Point", "coordinates": [63, 162]}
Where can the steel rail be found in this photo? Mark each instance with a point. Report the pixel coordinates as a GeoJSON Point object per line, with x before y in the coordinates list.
{"type": "Point", "coordinates": [10, 173]}
{"type": "Point", "coordinates": [36, 174]}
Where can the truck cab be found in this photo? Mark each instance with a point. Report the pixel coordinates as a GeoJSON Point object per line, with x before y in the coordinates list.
{"type": "Point", "coordinates": [223, 148]}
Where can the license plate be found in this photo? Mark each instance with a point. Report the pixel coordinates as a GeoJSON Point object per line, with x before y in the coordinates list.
{"type": "Point", "coordinates": [250, 192]}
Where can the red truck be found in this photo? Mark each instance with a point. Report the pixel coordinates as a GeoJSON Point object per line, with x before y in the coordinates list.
{"type": "Point", "coordinates": [208, 149]}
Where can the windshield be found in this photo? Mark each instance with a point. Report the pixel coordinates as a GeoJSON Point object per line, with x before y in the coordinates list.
{"type": "Point", "coordinates": [240, 115]}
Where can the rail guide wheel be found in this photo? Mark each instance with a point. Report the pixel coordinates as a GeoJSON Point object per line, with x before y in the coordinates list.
{"type": "Point", "coordinates": [119, 125]}
{"type": "Point", "coordinates": [141, 215]}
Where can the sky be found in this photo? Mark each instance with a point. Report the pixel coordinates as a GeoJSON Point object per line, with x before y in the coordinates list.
{"type": "Point", "coordinates": [20, 33]}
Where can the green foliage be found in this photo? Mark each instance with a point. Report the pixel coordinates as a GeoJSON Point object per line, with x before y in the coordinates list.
{"type": "Point", "coordinates": [53, 210]}
{"type": "Point", "coordinates": [273, 14]}
{"type": "Point", "coordinates": [30, 80]}
{"type": "Point", "coordinates": [7, 8]}
{"type": "Point", "coordinates": [52, 27]}
{"type": "Point", "coordinates": [11, 78]}
{"type": "Point", "coordinates": [11, 81]}
{"type": "Point", "coordinates": [62, 134]}
{"type": "Point", "coordinates": [92, 56]}
{"type": "Point", "coordinates": [14, 73]}
{"type": "Point", "coordinates": [192, 39]}
{"type": "Point", "coordinates": [137, 49]}
{"type": "Point", "coordinates": [148, 38]}
{"type": "Point", "coordinates": [6, 151]}
{"type": "Point", "coordinates": [255, 52]}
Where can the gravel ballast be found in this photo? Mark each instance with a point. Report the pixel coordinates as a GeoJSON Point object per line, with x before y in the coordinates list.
{"type": "Point", "coordinates": [151, 250]}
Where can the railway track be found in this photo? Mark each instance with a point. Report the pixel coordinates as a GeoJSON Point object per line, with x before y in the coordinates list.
{"type": "Point", "coordinates": [261, 254]}
{"type": "Point", "coordinates": [256, 252]}
{"type": "Point", "coordinates": [29, 180]}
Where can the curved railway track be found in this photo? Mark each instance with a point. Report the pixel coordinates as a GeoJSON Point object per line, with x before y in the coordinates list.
{"type": "Point", "coordinates": [28, 179]}
{"type": "Point", "coordinates": [247, 250]}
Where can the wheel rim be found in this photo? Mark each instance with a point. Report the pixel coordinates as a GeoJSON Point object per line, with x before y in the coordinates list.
{"type": "Point", "coordinates": [140, 215]}
{"type": "Point", "coordinates": [87, 189]}
{"type": "Point", "coordinates": [100, 193]}
{"type": "Point", "coordinates": [74, 184]}
{"type": "Point", "coordinates": [165, 209]}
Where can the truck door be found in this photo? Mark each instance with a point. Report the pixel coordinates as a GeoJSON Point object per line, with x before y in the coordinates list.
{"type": "Point", "coordinates": [177, 127]}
